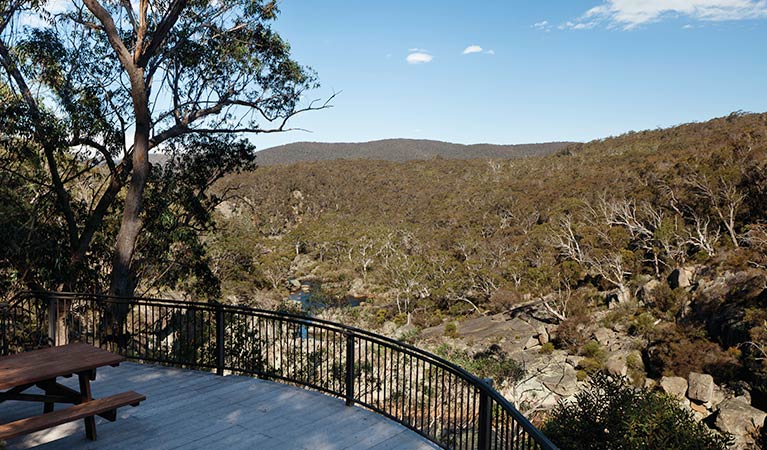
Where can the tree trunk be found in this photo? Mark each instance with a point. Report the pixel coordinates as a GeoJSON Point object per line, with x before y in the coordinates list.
{"type": "Point", "coordinates": [122, 283]}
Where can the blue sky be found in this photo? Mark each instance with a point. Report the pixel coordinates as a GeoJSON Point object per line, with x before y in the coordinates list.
{"type": "Point", "coordinates": [548, 70]}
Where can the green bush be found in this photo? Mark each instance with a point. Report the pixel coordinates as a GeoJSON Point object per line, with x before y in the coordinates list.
{"type": "Point", "coordinates": [595, 357]}
{"type": "Point", "coordinates": [451, 330]}
{"type": "Point", "coordinates": [593, 350]}
{"type": "Point", "coordinates": [668, 302]}
{"type": "Point", "coordinates": [492, 363]}
{"type": "Point", "coordinates": [611, 414]}
{"type": "Point", "coordinates": [591, 365]}
{"type": "Point", "coordinates": [547, 348]}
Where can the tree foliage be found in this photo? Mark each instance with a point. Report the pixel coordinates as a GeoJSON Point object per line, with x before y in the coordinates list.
{"type": "Point", "coordinates": [613, 414]}
{"type": "Point", "coordinates": [97, 86]}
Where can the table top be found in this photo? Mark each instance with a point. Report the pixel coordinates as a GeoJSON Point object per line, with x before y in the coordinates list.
{"type": "Point", "coordinates": [45, 364]}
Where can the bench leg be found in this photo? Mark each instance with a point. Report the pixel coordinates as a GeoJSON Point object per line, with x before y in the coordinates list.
{"type": "Point", "coordinates": [48, 408]}
{"type": "Point", "coordinates": [86, 396]}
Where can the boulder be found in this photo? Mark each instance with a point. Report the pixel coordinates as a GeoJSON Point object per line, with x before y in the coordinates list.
{"type": "Point", "coordinates": [739, 418]}
{"type": "Point", "coordinates": [617, 297]}
{"type": "Point", "coordinates": [717, 397]}
{"type": "Point", "coordinates": [357, 288]}
{"type": "Point", "coordinates": [404, 331]}
{"type": "Point", "coordinates": [543, 335]}
{"type": "Point", "coordinates": [302, 265]}
{"type": "Point", "coordinates": [574, 360]}
{"type": "Point", "coordinates": [645, 293]}
{"type": "Point", "coordinates": [226, 209]}
{"type": "Point", "coordinates": [676, 386]}
{"type": "Point", "coordinates": [604, 336]}
{"type": "Point", "coordinates": [616, 364]}
{"type": "Point", "coordinates": [534, 392]}
{"type": "Point", "coordinates": [700, 387]}
{"type": "Point", "coordinates": [531, 342]}
{"type": "Point", "coordinates": [698, 408]}
{"type": "Point", "coordinates": [565, 385]}
{"type": "Point", "coordinates": [680, 277]}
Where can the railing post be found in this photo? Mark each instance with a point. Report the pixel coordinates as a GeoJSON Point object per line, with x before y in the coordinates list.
{"type": "Point", "coordinates": [219, 339]}
{"type": "Point", "coordinates": [53, 321]}
{"type": "Point", "coordinates": [4, 310]}
{"type": "Point", "coordinates": [349, 368]}
{"type": "Point", "coordinates": [485, 417]}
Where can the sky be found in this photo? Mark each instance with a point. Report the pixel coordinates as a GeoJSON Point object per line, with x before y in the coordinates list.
{"type": "Point", "coordinates": [519, 71]}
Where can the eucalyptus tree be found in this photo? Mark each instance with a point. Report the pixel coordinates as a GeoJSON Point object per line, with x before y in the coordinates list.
{"type": "Point", "coordinates": [49, 122]}
{"type": "Point", "coordinates": [123, 78]}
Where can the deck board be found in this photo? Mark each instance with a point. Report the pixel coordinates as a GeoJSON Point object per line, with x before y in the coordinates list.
{"type": "Point", "coordinates": [188, 409]}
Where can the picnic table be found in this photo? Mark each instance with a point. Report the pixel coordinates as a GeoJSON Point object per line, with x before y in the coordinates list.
{"type": "Point", "coordinates": [41, 368]}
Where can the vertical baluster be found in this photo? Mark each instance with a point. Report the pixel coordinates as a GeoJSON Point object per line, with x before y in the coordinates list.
{"type": "Point", "coordinates": [219, 339]}
{"type": "Point", "coordinates": [349, 368]}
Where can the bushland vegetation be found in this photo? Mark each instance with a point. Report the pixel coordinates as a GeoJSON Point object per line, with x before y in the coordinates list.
{"type": "Point", "coordinates": [596, 224]}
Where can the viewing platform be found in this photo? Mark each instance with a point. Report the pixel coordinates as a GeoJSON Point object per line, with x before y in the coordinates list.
{"type": "Point", "coordinates": [367, 390]}
{"type": "Point", "coordinates": [189, 409]}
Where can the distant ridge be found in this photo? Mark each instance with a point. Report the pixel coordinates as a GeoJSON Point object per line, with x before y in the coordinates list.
{"type": "Point", "coordinates": [399, 150]}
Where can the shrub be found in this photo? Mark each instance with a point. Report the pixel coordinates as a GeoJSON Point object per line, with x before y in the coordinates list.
{"type": "Point", "coordinates": [547, 348]}
{"type": "Point", "coordinates": [492, 363]}
{"type": "Point", "coordinates": [573, 332]}
{"type": "Point", "coordinates": [400, 319]}
{"type": "Point", "coordinates": [591, 365]}
{"type": "Point", "coordinates": [642, 326]}
{"type": "Point", "coordinates": [679, 351]}
{"type": "Point", "coordinates": [595, 357]}
{"type": "Point", "coordinates": [668, 302]}
{"type": "Point", "coordinates": [380, 317]}
{"type": "Point", "coordinates": [592, 349]}
{"type": "Point", "coordinates": [451, 330]}
{"type": "Point", "coordinates": [612, 414]}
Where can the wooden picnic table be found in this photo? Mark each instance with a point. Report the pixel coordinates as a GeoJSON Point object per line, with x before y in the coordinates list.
{"type": "Point", "coordinates": [41, 368]}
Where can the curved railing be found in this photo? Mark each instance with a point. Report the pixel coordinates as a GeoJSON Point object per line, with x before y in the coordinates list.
{"type": "Point", "coordinates": [422, 391]}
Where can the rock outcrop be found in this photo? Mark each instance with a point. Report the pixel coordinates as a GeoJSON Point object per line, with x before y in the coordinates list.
{"type": "Point", "coordinates": [738, 417]}
{"type": "Point", "coordinates": [676, 386]}
{"type": "Point", "coordinates": [700, 387]}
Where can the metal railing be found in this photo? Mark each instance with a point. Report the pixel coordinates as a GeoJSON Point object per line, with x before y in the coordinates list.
{"type": "Point", "coordinates": [428, 394]}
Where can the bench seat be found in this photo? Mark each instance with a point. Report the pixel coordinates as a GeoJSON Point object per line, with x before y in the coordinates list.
{"type": "Point", "coordinates": [105, 407]}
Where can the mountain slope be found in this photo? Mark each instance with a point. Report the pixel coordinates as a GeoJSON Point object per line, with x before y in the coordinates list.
{"type": "Point", "coordinates": [399, 150]}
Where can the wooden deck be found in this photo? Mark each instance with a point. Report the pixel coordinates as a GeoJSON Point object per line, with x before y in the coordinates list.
{"type": "Point", "coordinates": [188, 409]}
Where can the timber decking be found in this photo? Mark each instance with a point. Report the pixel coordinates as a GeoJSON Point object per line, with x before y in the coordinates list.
{"type": "Point", "coordinates": [187, 409]}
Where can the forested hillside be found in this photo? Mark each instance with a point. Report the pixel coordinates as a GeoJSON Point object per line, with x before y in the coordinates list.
{"type": "Point", "coordinates": [666, 197]}
{"type": "Point", "coordinates": [659, 236]}
{"type": "Point", "coordinates": [399, 150]}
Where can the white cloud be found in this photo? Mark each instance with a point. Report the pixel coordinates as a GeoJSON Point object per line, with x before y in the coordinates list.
{"type": "Point", "coordinates": [630, 14]}
{"type": "Point", "coordinates": [477, 49]}
{"type": "Point", "coordinates": [472, 49]}
{"type": "Point", "coordinates": [419, 57]}
{"type": "Point", "coordinates": [543, 25]}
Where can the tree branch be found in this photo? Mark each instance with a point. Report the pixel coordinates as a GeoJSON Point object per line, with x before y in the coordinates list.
{"type": "Point", "coordinates": [160, 33]}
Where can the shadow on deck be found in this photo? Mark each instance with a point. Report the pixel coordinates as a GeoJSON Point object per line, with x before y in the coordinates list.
{"type": "Point", "coordinates": [188, 409]}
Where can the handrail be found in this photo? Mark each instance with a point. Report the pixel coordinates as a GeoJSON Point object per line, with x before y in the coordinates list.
{"type": "Point", "coordinates": [430, 395]}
